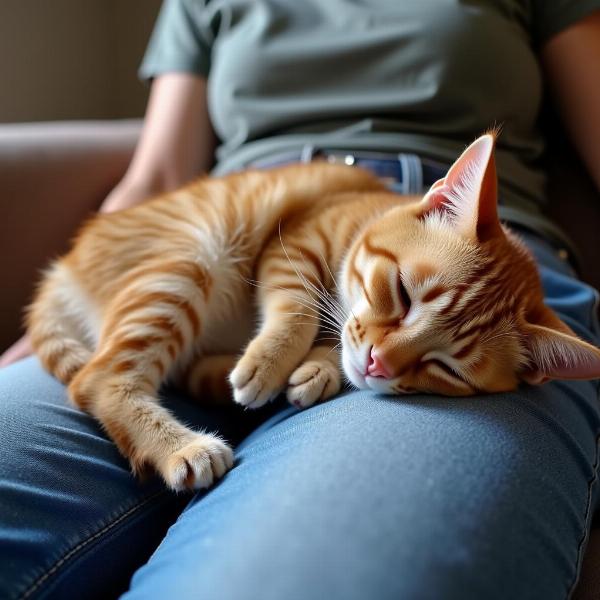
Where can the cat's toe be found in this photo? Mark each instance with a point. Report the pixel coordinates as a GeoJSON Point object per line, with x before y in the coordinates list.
{"type": "Point", "coordinates": [252, 383]}
{"type": "Point", "coordinates": [312, 382]}
{"type": "Point", "coordinates": [197, 464]}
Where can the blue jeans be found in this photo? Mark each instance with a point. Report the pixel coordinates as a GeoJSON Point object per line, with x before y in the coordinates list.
{"type": "Point", "coordinates": [361, 497]}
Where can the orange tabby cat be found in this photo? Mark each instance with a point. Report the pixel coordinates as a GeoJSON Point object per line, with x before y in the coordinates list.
{"type": "Point", "coordinates": [434, 295]}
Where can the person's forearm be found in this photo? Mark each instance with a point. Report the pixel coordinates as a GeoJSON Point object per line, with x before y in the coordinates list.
{"type": "Point", "coordinates": [176, 144]}
{"type": "Point", "coordinates": [572, 63]}
{"type": "Point", "coordinates": [177, 141]}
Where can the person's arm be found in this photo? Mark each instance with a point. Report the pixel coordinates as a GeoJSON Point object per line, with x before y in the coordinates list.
{"type": "Point", "coordinates": [571, 61]}
{"type": "Point", "coordinates": [176, 144]}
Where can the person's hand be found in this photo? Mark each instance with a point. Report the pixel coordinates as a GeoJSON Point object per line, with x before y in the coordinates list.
{"type": "Point", "coordinates": [20, 349]}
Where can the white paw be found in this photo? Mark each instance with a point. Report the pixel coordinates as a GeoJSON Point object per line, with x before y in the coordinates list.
{"type": "Point", "coordinates": [197, 464]}
{"type": "Point", "coordinates": [255, 381]}
{"type": "Point", "coordinates": [312, 382]}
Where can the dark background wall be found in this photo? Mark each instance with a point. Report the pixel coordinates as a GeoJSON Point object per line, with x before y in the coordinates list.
{"type": "Point", "coordinates": [72, 59]}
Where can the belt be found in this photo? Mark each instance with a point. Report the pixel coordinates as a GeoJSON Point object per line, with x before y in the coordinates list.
{"type": "Point", "coordinates": [405, 173]}
{"type": "Point", "coordinates": [409, 174]}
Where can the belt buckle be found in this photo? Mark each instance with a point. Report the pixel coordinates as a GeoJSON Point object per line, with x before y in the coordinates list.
{"type": "Point", "coordinates": [350, 159]}
{"type": "Point", "coordinates": [346, 158]}
{"type": "Point", "coordinates": [310, 152]}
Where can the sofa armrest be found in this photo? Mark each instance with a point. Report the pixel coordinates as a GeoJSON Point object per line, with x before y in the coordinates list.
{"type": "Point", "coordinates": [52, 175]}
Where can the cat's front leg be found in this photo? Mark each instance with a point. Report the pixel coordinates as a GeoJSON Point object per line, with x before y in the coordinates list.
{"type": "Point", "coordinates": [316, 379]}
{"type": "Point", "coordinates": [285, 339]}
{"type": "Point", "coordinates": [292, 272]}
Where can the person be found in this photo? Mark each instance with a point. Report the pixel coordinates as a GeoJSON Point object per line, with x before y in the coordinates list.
{"type": "Point", "coordinates": [363, 496]}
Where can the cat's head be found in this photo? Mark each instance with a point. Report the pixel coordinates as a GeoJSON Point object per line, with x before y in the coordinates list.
{"type": "Point", "coordinates": [441, 298]}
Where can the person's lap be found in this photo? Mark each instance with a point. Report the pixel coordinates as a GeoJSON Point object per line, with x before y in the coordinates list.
{"type": "Point", "coordinates": [363, 496]}
{"type": "Point", "coordinates": [71, 513]}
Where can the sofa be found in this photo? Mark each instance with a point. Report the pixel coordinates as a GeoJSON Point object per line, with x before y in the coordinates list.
{"type": "Point", "coordinates": [53, 175]}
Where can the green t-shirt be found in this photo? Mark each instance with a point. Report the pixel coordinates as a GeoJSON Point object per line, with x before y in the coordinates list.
{"type": "Point", "coordinates": [422, 76]}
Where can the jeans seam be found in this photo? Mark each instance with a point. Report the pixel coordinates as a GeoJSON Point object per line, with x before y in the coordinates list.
{"type": "Point", "coordinates": [85, 543]}
{"type": "Point", "coordinates": [587, 521]}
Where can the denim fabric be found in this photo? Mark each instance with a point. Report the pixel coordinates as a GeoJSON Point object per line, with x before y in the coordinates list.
{"type": "Point", "coordinates": [74, 523]}
{"type": "Point", "coordinates": [361, 497]}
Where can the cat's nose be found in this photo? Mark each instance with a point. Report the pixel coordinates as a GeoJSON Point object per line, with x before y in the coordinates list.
{"type": "Point", "coordinates": [375, 367]}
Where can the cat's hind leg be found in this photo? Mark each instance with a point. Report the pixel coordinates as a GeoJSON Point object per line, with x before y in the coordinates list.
{"type": "Point", "coordinates": [59, 324]}
{"type": "Point", "coordinates": [206, 378]}
{"type": "Point", "coordinates": [146, 331]}
{"type": "Point", "coordinates": [316, 379]}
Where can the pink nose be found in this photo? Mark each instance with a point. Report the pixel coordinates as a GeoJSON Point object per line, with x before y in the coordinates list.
{"type": "Point", "coordinates": [375, 367]}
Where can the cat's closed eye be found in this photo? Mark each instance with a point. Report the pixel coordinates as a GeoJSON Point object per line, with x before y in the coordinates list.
{"type": "Point", "coordinates": [431, 361]}
{"type": "Point", "coordinates": [404, 296]}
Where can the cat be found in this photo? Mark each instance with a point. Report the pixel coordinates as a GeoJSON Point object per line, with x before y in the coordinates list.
{"type": "Point", "coordinates": [432, 294]}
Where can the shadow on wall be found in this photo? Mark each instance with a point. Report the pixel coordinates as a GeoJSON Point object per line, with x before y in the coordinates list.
{"type": "Point", "coordinates": [73, 59]}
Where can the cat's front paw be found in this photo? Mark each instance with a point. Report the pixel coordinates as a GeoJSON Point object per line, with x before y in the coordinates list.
{"type": "Point", "coordinates": [256, 380]}
{"type": "Point", "coordinates": [313, 381]}
{"type": "Point", "coordinates": [197, 464]}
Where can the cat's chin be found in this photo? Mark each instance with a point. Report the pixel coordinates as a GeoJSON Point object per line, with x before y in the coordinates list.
{"type": "Point", "coordinates": [376, 384]}
{"type": "Point", "coordinates": [365, 382]}
{"type": "Point", "coordinates": [355, 377]}
{"type": "Point", "coordinates": [385, 386]}
{"type": "Point", "coordinates": [380, 385]}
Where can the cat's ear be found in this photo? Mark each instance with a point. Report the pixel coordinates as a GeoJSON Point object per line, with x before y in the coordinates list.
{"type": "Point", "coordinates": [556, 353]}
{"type": "Point", "coordinates": [468, 195]}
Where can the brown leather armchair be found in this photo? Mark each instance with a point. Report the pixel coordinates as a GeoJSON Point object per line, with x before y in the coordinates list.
{"type": "Point", "coordinates": [53, 175]}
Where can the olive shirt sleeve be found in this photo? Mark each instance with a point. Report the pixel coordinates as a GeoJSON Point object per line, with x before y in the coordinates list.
{"type": "Point", "coordinates": [550, 17]}
{"type": "Point", "coordinates": [181, 40]}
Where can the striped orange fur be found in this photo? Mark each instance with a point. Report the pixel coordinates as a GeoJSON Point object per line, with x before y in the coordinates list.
{"type": "Point", "coordinates": [431, 294]}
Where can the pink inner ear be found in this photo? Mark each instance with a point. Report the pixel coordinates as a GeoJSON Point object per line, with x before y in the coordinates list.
{"type": "Point", "coordinates": [585, 366]}
{"type": "Point", "coordinates": [534, 377]}
{"type": "Point", "coordinates": [437, 185]}
{"type": "Point", "coordinates": [563, 371]}
{"type": "Point", "coordinates": [475, 157]}
{"type": "Point", "coordinates": [558, 355]}
{"type": "Point", "coordinates": [437, 197]}
{"type": "Point", "coordinates": [468, 193]}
